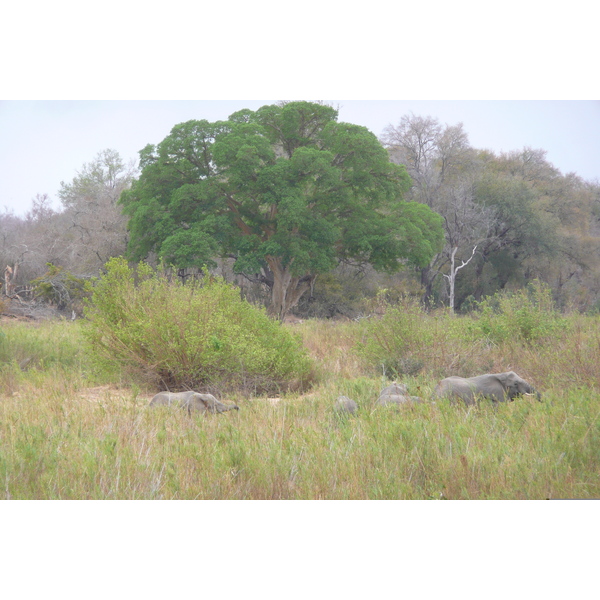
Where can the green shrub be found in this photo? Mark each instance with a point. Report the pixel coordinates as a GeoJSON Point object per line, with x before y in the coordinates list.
{"type": "Point", "coordinates": [397, 342]}
{"type": "Point", "coordinates": [407, 340]}
{"type": "Point", "coordinates": [527, 316]}
{"type": "Point", "coordinates": [59, 287]}
{"type": "Point", "coordinates": [198, 335]}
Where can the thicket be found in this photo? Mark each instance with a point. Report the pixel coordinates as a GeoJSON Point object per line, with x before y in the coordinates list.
{"type": "Point", "coordinates": [198, 335]}
{"type": "Point", "coordinates": [60, 288]}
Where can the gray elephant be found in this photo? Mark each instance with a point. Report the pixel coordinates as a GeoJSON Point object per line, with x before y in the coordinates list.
{"type": "Point", "coordinates": [397, 393]}
{"type": "Point", "coordinates": [497, 387]}
{"type": "Point", "coordinates": [344, 405]}
{"type": "Point", "coordinates": [192, 401]}
{"type": "Point", "coordinates": [395, 389]}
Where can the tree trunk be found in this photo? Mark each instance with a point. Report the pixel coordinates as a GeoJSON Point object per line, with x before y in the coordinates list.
{"type": "Point", "coordinates": [453, 271]}
{"type": "Point", "coordinates": [10, 276]}
{"type": "Point", "coordinates": [428, 277]}
{"type": "Point", "coordinates": [452, 278]}
{"type": "Point", "coordinates": [287, 289]}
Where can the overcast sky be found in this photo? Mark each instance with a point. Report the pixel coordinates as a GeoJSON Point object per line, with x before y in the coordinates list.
{"type": "Point", "coordinates": [74, 83]}
{"type": "Point", "coordinates": [45, 142]}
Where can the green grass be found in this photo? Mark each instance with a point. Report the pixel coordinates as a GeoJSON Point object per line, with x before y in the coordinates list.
{"type": "Point", "coordinates": [63, 435]}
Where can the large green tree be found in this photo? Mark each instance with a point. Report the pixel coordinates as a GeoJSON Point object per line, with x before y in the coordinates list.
{"type": "Point", "coordinates": [287, 191]}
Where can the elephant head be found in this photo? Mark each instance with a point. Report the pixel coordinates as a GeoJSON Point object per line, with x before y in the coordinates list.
{"type": "Point", "coordinates": [516, 386]}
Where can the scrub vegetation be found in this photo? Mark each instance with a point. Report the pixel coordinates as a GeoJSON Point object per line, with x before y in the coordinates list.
{"type": "Point", "coordinates": [71, 431]}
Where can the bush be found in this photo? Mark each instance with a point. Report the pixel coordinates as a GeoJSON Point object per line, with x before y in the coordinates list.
{"type": "Point", "coordinates": [198, 335]}
{"type": "Point", "coordinates": [525, 316]}
{"type": "Point", "coordinates": [407, 340]}
{"type": "Point", "coordinates": [59, 287]}
{"type": "Point", "coordinates": [398, 341]}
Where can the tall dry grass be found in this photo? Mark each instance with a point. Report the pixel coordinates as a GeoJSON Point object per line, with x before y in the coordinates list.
{"type": "Point", "coordinates": [65, 445]}
{"type": "Point", "coordinates": [65, 434]}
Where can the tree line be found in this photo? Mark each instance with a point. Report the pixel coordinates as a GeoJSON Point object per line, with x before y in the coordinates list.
{"type": "Point", "coordinates": [302, 211]}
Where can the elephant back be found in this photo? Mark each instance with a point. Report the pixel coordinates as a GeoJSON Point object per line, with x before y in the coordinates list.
{"type": "Point", "coordinates": [395, 389]}
{"type": "Point", "coordinates": [345, 405]}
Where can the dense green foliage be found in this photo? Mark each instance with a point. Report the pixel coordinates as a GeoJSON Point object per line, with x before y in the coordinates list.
{"type": "Point", "coordinates": [287, 191]}
{"type": "Point", "coordinates": [194, 336]}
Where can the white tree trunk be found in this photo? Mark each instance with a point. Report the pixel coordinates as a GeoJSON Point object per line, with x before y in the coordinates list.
{"type": "Point", "coordinates": [451, 277]}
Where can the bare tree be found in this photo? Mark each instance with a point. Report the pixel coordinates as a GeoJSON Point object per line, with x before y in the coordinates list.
{"type": "Point", "coordinates": [444, 168]}
{"type": "Point", "coordinates": [451, 276]}
{"type": "Point", "coordinates": [54, 249]}
{"type": "Point", "coordinates": [95, 228]}
{"type": "Point", "coordinates": [466, 224]}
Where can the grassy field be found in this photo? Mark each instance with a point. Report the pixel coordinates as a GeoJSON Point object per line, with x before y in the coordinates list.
{"type": "Point", "coordinates": [67, 432]}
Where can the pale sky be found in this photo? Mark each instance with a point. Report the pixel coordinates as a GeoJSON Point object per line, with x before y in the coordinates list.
{"type": "Point", "coordinates": [75, 83]}
{"type": "Point", "coordinates": [45, 142]}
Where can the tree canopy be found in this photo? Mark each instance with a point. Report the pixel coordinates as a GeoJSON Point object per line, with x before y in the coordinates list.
{"type": "Point", "coordinates": [511, 214]}
{"type": "Point", "coordinates": [286, 191]}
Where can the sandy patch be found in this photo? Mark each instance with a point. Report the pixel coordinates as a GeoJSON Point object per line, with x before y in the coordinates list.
{"type": "Point", "coordinates": [111, 393]}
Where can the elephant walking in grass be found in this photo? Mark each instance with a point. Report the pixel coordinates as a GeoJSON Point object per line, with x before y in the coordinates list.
{"type": "Point", "coordinates": [192, 401]}
{"type": "Point", "coordinates": [497, 387]}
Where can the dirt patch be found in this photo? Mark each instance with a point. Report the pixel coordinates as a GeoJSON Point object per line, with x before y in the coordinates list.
{"type": "Point", "coordinates": [112, 393]}
{"type": "Point", "coordinates": [102, 393]}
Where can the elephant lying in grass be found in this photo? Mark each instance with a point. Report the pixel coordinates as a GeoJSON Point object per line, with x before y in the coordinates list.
{"type": "Point", "coordinates": [498, 387]}
{"type": "Point", "coordinates": [397, 393]}
{"type": "Point", "coordinates": [192, 401]}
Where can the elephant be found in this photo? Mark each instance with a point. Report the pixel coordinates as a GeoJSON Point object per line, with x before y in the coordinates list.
{"type": "Point", "coordinates": [396, 389]}
{"type": "Point", "coordinates": [397, 393]}
{"type": "Point", "coordinates": [192, 401]}
{"type": "Point", "coordinates": [344, 405]}
{"type": "Point", "coordinates": [497, 387]}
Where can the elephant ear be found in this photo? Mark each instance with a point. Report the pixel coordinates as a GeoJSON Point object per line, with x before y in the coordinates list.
{"type": "Point", "coordinates": [510, 381]}
{"type": "Point", "coordinates": [507, 379]}
{"type": "Point", "coordinates": [208, 402]}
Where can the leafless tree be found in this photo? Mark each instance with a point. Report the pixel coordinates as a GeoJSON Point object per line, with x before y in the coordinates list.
{"type": "Point", "coordinates": [95, 228]}
{"type": "Point", "coordinates": [444, 168]}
